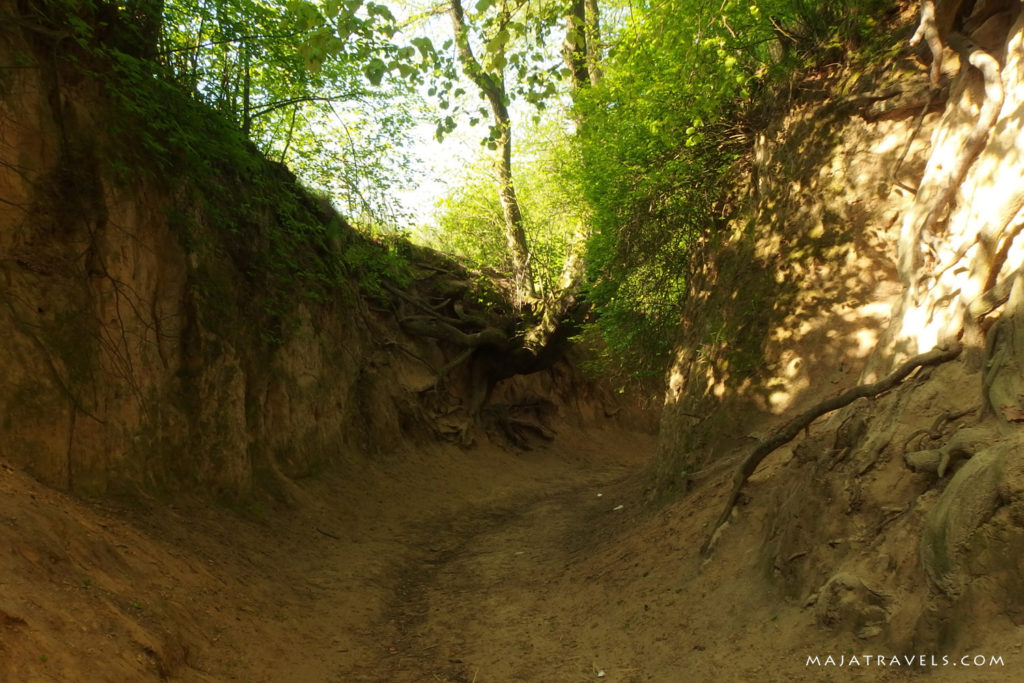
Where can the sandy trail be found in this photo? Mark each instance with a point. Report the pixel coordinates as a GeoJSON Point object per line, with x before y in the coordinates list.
{"type": "Point", "coordinates": [436, 565]}
{"type": "Point", "coordinates": [427, 565]}
{"type": "Point", "coordinates": [481, 597]}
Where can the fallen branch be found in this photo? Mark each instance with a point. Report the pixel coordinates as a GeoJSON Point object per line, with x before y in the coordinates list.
{"type": "Point", "coordinates": [937, 356]}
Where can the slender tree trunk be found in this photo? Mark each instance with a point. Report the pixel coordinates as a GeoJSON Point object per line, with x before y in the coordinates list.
{"type": "Point", "coordinates": [246, 86]}
{"type": "Point", "coordinates": [492, 85]}
{"type": "Point", "coordinates": [515, 233]}
{"type": "Point", "coordinates": [592, 34]}
{"type": "Point", "coordinates": [574, 48]}
{"type": "Point", "coordinates": [581, 48]}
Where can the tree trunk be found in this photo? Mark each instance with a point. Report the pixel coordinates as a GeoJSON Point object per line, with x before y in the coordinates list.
{"type": "Point", "coordinates": [574, 48]}
{"type": "Point", "coordinates": [492, 85]}
{"type": "Point", "coordinates": [515, 233]}
{"type": "Point", "coordinates": [581, 49]}
{"type": "Point", "coordinates": [592, 33]}
{"type": "Point", "coordinates": [246, 86]}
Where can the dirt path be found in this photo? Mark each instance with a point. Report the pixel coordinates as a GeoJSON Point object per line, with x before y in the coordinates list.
{"type": "Point", "coordinates": [438, 565]}
{"type": "Point", "coordinates": [431, 565]}
{"type": "Point", "coordinates": [477, 599]}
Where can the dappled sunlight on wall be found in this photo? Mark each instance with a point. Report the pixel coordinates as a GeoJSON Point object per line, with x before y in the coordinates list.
{"type": "Point", "coordinates": [954, 251]}
{"type": "Point", "coordinates": [794, 296]}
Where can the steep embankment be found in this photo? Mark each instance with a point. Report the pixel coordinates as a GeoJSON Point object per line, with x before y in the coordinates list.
{"type": "Point", "coordinates": [176, 312]}
{"type": "Point", "coordinates": [881, 218]}
{"type": "Point", "coordinates": [142, 314]}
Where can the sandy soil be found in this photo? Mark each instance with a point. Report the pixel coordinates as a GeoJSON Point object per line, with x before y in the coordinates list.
{"type": "Point", "coordinates": [437, 565]}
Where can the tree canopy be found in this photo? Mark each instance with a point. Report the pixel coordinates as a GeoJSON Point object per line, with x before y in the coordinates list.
{"type": "Point", "coordinates": [639, 112]}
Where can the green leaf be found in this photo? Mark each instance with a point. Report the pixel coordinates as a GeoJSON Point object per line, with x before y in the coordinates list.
{"type": "Point", "coordinates": [373, 9]}
{"type": "Point", "coordinates": [424, 45]}
{"type": "Point", "coordinates": [499, 41]}
{"type": "Point", "coordinates": [375, 70]}
{"type": "Point", "coordinates": [346, 26]}
{"type": "Point", "coordinates": [331, 8]}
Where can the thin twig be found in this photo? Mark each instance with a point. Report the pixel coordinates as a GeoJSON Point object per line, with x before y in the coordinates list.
{"type": "Point", "coordinates": [918, 123]}
{"type": "Point", "coordinates": [328, 534]}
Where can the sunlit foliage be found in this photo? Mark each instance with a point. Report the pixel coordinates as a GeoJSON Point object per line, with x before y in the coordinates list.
{"type": "Point", "coordinates": [469, 218]}
{"type": "Point", "coordinates": [636, 166]}
{"type": "Point", "coordinates": [660, 135]}
{"type": "Point", "coordinates": [310, 86]}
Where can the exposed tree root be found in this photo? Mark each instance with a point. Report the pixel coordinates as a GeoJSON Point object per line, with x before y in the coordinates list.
{"type": "Point", "coordinates": [938, 355]}
{"type": "Point", "coordinates": [427, 309]}
{"type": "Point", "coordinates": [935, 431]}
{"type": "Point", "coordinates": [962, 444]}
{"type": "Point", "coordinates": [918, 123]}
{"type": "Point", "coordinates": [994, 297]}
{"type": "Point", "coordinates": [1007, 235]}
{"type": "Point", "coordinates": [486, 341]}
{"type": "Point", "coordinates": [516, 428]}
{"type": "Point", "coordinates": [937, 18]}
{"type": "Point", "coordinates": [972, 146]}
{"type": "Point", "coordinates": [438, 329]}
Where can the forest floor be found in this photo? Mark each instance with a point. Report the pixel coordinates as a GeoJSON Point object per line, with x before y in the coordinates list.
{"type": "Point", "coordinates": [441, 564]}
